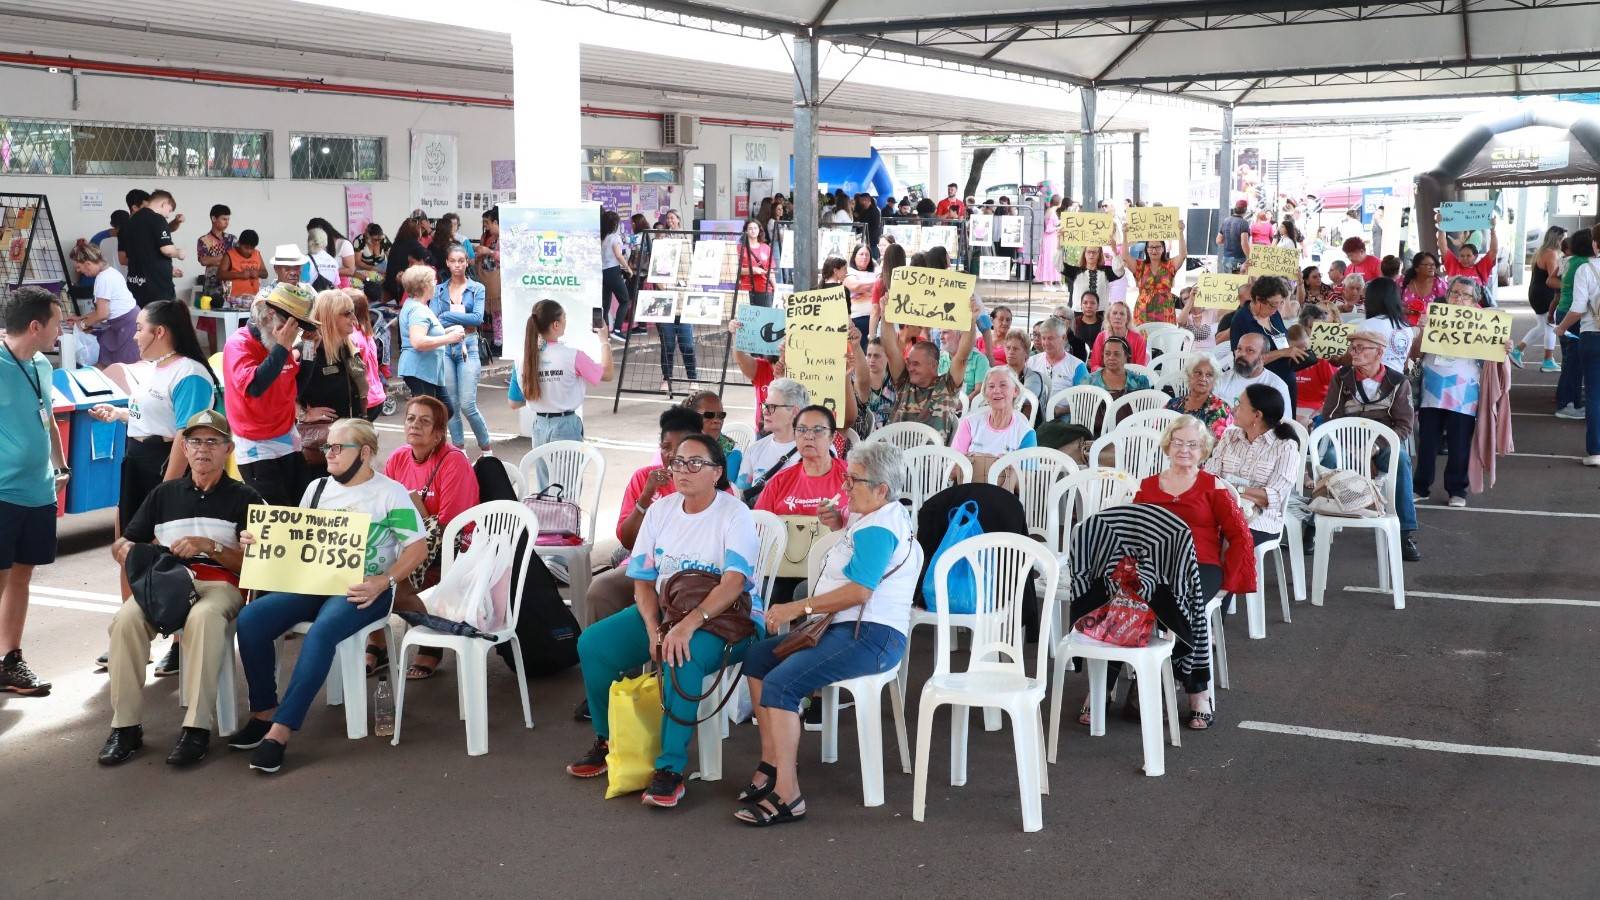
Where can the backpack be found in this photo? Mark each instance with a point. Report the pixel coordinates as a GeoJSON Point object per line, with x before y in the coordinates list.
{"type": "Point", "coordinates": [546, 628]}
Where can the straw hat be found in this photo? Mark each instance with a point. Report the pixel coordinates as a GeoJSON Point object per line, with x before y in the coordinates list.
{"type": "Point", "coordinates": [294, 300]}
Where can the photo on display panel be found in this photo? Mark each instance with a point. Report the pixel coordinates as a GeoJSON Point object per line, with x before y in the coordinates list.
{"type": "Point", "coordinates": [703, 308]}
{"type": "Point", "coordinates": [656, 306]}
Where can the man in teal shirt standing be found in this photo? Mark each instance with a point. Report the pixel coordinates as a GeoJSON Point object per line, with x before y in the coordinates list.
{"type": "Point", "coordinates": [30, 468]}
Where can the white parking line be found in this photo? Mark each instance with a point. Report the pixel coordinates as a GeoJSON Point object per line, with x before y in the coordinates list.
{"type": "Point", "coordinates": [1511, 512]}
{"type": "Point", "coordinates": [1384, 740]}
{"type": "Point", "coordinates": [69, 593]}
{"type": "Point", "coordinates": [38, 599]}
{"type": "Point", "coordinates": [1533, 601]}
{"type": "Point", "coordinates": [1547, 456]}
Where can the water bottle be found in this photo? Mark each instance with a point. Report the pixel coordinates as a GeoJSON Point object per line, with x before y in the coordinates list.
{"type": "Point", "coordinates": [383, 708]}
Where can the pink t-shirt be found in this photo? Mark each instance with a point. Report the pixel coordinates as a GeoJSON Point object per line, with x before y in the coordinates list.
{"type": "Point", "coordinates": [792, 492]}
{"type": "Point", "coordinates": [448, 493]}
{"type": "Point", "coordinates": [1260, 232]}
{"type": "Point", "coordinates": [376, 391]}
{"type": "Point", "coordinates": [1480, 271]}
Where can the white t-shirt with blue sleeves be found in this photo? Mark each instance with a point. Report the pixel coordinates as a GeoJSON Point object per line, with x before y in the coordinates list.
{"type": "Point", "coordinates": [872, 548]}
{"type": "Point", "coordinates": [720, 539]}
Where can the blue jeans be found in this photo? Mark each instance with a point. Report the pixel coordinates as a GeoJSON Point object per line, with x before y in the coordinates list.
{"type": "Point", "coordinates": [1405, 504]}
{"type": "Point", "coordinates": [621, 642]}
{"type": "Point", "coordinates": [553, 428]}
{"type": "Point", "coordinates": [268, 618]}
{"type": "Point", "coordinates": [1590, 344]}
{"type": "Point", "coordinates": [461, 367]}
{"type": "Point", "coordinates": [1569, 386]}
{"type": "Point", "coordinates": [837, 656]}
{"type": "Point", "coordinates": [680, 336]}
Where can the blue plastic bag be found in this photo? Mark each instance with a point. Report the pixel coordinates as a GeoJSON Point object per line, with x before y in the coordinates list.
{"type": "Point", "coordinates": [963, 583]}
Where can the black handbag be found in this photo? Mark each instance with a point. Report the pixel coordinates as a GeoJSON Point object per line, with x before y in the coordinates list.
{"type": "Point", "coordinates": [162, 586]}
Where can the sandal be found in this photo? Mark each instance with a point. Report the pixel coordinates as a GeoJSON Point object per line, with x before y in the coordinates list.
{"type": "Point", "coordinates": [380, 659]}
{"type": "Point", "coordinates": [423, 667]}
{"type": "Point", "coordinates": [758, 816]}
{"type": "Point", "coordinates": [753, 794]}
{"type": "Point", "coordinates": [1200, 721]}
{"type": "Point", "coordinates": [1083, 713]}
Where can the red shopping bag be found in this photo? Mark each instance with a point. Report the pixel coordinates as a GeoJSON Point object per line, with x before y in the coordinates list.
{"type": "Point", "coordinates": [1125, 620]}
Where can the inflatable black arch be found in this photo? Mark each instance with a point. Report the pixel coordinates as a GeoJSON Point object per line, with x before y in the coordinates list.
{"type": "Point", "coordinates": [1438, 184]}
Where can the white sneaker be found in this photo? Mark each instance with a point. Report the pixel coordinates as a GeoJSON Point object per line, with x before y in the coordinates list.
{"type": "Point", "coordinates": [1570, 411]}
{"type": "Point", "coordinates": [1592, 460]}
{"type": "Point", "coordinates": [1458, 502]}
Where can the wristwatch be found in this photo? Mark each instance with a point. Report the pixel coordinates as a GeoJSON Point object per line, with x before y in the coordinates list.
{"type": "Point", "coordinates": [216, 549]}
{"type": "Point", "coordinates": [704, 616]}
{"type": "Point", "coordinates": [808, 607]}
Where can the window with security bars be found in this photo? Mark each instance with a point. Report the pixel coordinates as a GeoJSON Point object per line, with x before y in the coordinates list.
{"type": "Point", "coordinates": [57, 147]}
{"type": "Point", "coordinates": [338, 157]}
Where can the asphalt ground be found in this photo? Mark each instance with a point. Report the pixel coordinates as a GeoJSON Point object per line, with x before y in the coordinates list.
{"type": "Point", "coordinates": [1241, 811]}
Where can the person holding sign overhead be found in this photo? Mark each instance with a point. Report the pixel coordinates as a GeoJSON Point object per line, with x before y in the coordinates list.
{"type": "Point", "coordinates": [396, 544]}
{"type": "Point", "coordinates": [921, 393]}
{"type": "Point", "coordinates": [198, 517]}
{"type": "Point", "coordinates": [1466, 261]}
{"type": "Point", "coordinates": [1090, 274]}
{"type": "Point", "coordinates": [1154, 275]}
{"type": "Point", "coordinates": [1450, 401]}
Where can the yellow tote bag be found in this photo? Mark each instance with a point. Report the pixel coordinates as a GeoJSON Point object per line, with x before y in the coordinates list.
{"type": "Point", "coordinates": [635, 740]}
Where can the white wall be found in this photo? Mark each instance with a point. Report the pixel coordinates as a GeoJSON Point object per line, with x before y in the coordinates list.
{"type": "Point", "coordinates": [278, 208]}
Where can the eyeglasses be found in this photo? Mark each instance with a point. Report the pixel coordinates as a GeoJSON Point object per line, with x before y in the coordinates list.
{"type": "Point", "coordinates": [852, 481]}
{"type": "Point", "coordinates": [769, 407]}
{"type": "Point", "coordinates": [816, 430]}
{"type": "Point", "coordinates": [710, 416]}
{"type": "Point", "coordinates": [689, 464]}
{"type": "Point", "coordinates": [1184, 445]}
{"type": "Point", "coordinates": [208, 443]}
{"type": "Point", "coordinates": [330, 449]}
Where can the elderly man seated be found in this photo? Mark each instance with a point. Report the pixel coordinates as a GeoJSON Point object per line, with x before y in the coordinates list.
{"type": "Point", "coordinates": [198, 519]}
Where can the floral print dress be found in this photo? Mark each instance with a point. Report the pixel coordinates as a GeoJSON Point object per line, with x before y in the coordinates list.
{"type": "Point", "coordinates": [1155, 303]}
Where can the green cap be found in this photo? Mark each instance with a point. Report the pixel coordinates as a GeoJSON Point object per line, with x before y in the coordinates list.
{"type": "Point", "coordinates": [208, 418]}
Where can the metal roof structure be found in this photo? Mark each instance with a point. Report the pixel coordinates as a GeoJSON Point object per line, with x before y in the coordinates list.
{"type": "Point", "coordinates": [1221, 52]}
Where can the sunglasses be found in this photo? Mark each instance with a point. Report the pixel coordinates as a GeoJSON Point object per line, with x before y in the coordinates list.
{"type": "Point", "coordinates": [714, 416]}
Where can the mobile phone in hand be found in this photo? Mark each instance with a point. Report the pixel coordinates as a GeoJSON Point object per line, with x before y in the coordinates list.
{"type": "Point", "coordinates": [599, 318]}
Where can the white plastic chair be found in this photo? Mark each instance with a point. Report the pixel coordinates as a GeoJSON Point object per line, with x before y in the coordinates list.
{"type": "Point", "coordinates": [1027, 402]}
{"type": "Point", "coordinates": [907, 435]}
{"type": "Point", "coordinates": [518, 483]}
{"type": "Point", "coordinates": [929, 470]}
{"type": "Point", "coordinates": [867, 692]}
{"type": "Point", "coordinates": [1292, 519]}
{"type": "Point", "coordinates": [743, 434]}
{"type": "Point", "coordinates": [996, 676]}
{"type": "Point", "coordinates": [1154, 419]}
{"type": "Point", "coordinates": [1035, 470]}
{"type": "Point", "coordinates": [1354, 441]}
{"type": "Point", "coordinates": [771, 536]}
{"type": "Point", "coordinates": [1133, 402]}
{"type": "Point", "coordinates": [581, 470]}
{"type": "Point", "coordinates": [1255, 602]}
{"type": "Point", "coordinates": [1084, 403]}
{"type": "Point", "coordinates": [1150, 329]}
{"type": "Point", "coordinates": [347, 678]}
{"type": "Point", "coordinates": [1136, 451]}
{"type": "Point", "coordinates": [1152, 668]}
{"type": "Point", "coordinates": [1165, 342]}
{"type": "Point", "coordinates": [1219, 645]}
{"type": "Point", "coordinates": [1144, 371]}
{"type": "Point", "coordinates": [227, 691]}
{"type": "Point", "coordinates": [1174, 380]}
{"type": "Point", "coordinates": [509, 523]}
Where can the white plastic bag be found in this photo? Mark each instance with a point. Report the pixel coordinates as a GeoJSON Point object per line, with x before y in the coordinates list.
{"type": "Point", "coordinates": [467, 593]}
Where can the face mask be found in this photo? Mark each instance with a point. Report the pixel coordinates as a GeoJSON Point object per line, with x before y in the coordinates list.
{"type": "Point", "coordinates": [349, 472]}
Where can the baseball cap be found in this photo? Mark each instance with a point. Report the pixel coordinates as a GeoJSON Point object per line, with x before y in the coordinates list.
{"type": "Point", "coordinates": [208, 418]}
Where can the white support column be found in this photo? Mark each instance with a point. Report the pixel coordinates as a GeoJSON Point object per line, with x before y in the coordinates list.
{"type": "Point", "coordinates": [547, 118]}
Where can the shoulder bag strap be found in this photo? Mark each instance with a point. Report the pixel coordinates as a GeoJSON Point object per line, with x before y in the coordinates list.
{"type": "Point", "coordinates": [776, 467]}
{"type": "Point", "coordinates": [316, 496]}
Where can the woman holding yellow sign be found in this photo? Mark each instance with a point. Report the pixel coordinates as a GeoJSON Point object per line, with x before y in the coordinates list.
{"type": "Point", "coordinates": [396, 545]}
{"type": "Point", "coordinates": [1154, 275]}
{"type": "Point", "coordinates": [1450, 403]}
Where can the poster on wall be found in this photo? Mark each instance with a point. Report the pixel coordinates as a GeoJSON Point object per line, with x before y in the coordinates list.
{"type": "Point", "coordinates": [357, 208]}
{"type": "Point", "coordinates": [615, 197]}
{"type": "Point", "coordinates": [433, 172]}
{"type": "Point", "coordinates": [503, 174]}
{"type": "Point", "coordinates": [550, 253]}
{"type": "Point", "coordinates": [754, 158]}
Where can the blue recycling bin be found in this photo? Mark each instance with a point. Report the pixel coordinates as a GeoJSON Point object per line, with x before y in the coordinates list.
{"type": "Point", "coordinates": [95, 448]}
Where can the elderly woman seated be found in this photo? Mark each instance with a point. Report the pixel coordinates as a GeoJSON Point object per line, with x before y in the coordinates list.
{"type": "Point", "coordinates": [1113, 376]}
{"type": "Point", "coordinates": [776, 451]}
{"type": "Point", "coordinates": [1202, 401]}
{"type": "Point", "coordinates": [1223, 547]}
{"type": "Point", "coordinates": [1261, 458]}
{"type": "Point", "coordinates": [868, 578]}
{"type": "Point", "coordinates": [991, 432]}
{"type": "Point", "coordinates": [703, 529]}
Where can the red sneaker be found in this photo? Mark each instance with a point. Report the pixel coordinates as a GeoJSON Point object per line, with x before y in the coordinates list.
{"type": "Point", "coordinates": [665, 790]}
{"type": "Point", "coordinates": [591, 764]}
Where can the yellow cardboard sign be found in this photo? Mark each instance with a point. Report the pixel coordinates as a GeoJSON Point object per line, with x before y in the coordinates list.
{"type": "Point", "coordinates": [816, 360]}
{"type": "Point", "coordinates": [1152, 223]}
{"type": "Point", "coordinates": [934, 298]}
{"type": "Point", "coordinates": [1085, 229]}
{"type": "Point", "coordinates": [1331, 340]}
{"type": "Point", "coordinates": [1266, 259]}
{"type": "Point", "coordinates": [321, 552]}
{"type": "Point", "coordinates": [826, 309]}
{"type": "Point", "coordinates": [1218, 291]}
{"type": "Point", "coordinates": [1466, 331]}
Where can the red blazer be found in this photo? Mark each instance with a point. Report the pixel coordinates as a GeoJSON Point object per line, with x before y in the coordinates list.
{"type": "Point", "coordinates": [1211, 513]}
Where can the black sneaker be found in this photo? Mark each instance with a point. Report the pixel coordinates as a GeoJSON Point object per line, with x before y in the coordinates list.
{"type": "Point", "coordinates": [268, 758]}
{"type": "Point", "coordinates": [169, 663]}
{"type": "Point", "coordinates": [1408, 549]}
{"type": "Point", "coordinates": [665, 790]}
{"type": "Point", "coordinates": [192, 746]}
{"type": "Point", "coordinates": [123, 743]}
{"type": "Point", "coordinates": [581, 711]}
{"type": "Point", "coordinates": [591, 764]}
{"type": "Point", "coordinates": [103, 662]}
{"type": "Point", "coordinates": [16, 677]}
{"type": "Point", "coordinates": [249, 737]}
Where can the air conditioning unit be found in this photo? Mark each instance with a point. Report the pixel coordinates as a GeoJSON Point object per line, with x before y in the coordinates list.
{"type": "Point", "coordinates": [678, 130]}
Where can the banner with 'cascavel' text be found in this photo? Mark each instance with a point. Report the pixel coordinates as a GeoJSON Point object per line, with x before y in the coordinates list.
{"type": "Point", "coordinates": [550, 253]}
